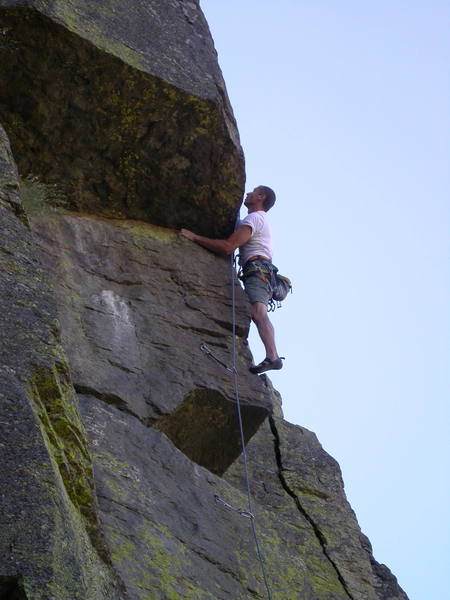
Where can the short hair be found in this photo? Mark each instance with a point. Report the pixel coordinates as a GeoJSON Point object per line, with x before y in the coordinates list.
{"type": "Point", "coordinates": [270, 197]}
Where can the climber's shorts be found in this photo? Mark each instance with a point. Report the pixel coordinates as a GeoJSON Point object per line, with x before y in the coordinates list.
{"type": "Point", "coordinates": [257, 290]}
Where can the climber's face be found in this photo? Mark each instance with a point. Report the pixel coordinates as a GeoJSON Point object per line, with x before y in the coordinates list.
{"type": "Point", "coordinates": [254, 199]}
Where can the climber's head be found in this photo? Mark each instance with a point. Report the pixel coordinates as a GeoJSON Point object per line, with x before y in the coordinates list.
{"type": "Point", "coordinates": [262, 198]}
{"type": "Point", "coordinates": [269, 196]}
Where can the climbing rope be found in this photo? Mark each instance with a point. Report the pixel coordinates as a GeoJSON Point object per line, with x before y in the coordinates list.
{"type": "Point", "coordinates": [241, 427]}
{"type": "Point", "coordinates": [244, 513]}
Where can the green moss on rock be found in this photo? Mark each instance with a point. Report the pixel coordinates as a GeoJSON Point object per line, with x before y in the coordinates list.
{"type": "Point", "coordinates": [54, 397]}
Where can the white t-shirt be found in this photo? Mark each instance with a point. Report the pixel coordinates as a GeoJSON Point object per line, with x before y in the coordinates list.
{"type": "Point", "coordinates": [260, 242]}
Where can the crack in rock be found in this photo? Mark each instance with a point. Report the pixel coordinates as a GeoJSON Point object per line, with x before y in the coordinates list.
{"type": "Point", "coordinates": [112, 399]}
{"type": "Point", "coordinates": [318, 533]}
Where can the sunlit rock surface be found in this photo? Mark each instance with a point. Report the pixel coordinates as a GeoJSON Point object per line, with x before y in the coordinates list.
{"type": "Point", "coordinates": [120, 457]}
{"type": "Point", "coordinates": [137, 302]}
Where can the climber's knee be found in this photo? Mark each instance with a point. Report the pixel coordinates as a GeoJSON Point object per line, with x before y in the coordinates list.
{"type": "Point", "coordinates": [258, 312]}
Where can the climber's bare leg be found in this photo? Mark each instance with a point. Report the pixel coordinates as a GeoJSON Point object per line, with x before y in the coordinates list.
{"type": "Point", "coordinates": [265, 328]}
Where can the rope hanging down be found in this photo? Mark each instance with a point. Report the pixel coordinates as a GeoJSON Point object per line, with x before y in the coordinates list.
{"type": "Point", "coordinates": [244, 513]}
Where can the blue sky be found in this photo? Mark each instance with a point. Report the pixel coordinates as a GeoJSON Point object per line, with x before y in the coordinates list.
{"type": "Point", "coordinates": [341, 108]}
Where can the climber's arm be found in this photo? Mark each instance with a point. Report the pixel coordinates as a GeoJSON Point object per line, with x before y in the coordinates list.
{"type": "Point", "coordinates": [228, 246]}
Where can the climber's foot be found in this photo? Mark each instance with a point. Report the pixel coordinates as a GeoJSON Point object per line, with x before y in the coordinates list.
{"type": "Point", "coordinates": [267, 365]}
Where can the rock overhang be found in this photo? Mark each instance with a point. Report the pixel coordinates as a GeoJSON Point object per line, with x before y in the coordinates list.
{"type": "Point", "coordinates": [205, 427]}
{"type": "Point", "coordinates": [128, 125]}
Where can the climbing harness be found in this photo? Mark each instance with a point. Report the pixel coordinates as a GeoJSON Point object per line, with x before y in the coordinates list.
{"type": "Point", "coordinates": [266, 271]}
{"type": "Point", "coordinates": [233, 370]}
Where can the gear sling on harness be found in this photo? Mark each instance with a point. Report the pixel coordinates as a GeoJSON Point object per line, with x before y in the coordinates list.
{"type": "Point", "coordinates": [262, 268]}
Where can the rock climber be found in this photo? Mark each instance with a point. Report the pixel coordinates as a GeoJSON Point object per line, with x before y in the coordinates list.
{"type": "Point", "coordinates": [254, 239]}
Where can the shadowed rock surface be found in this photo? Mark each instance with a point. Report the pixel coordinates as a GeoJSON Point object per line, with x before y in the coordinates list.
{"type": "Point", "coordinates": [117, 432]}
{"type": "Point", "coordinates": [124, 105]}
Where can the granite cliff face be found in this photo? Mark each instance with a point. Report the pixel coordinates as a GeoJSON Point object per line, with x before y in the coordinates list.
{"type": "Point", "coordinates": [117, 432]}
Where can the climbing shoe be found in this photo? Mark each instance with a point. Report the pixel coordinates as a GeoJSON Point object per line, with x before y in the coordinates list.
{"type": "Point", "coordinates": [267, 365]}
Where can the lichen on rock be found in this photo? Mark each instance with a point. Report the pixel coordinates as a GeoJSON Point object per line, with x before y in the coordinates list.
{"type": "Point", "coordinates": [52, 395]}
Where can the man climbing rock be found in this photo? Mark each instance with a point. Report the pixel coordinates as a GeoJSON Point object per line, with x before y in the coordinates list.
{"type": "Point", "coordinates": [254, 239]}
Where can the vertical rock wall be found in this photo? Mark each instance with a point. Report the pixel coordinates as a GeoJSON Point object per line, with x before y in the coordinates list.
{"type": "Point", "coordinates": [51, 543]}
{"type": "Point", "coordinates": [117, 432]}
